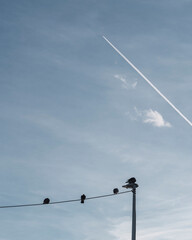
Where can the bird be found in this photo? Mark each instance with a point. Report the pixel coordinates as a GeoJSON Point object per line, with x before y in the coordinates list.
{"type": "Point", "coordinates": [46, 201]}
{"type": "Point", "coordinates": [131, 180]}
{"type": "Point", "coordinates": [115, 190]}
{"type": "Point", "coordinates": [83, 197]}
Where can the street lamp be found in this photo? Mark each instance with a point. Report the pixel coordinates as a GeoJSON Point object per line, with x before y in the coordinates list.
{"type": "Point", "coordinates": [131, 183]}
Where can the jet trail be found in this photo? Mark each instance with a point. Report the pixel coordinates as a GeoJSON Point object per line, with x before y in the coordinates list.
{"type": "Point", "coordinates": [149, 82]}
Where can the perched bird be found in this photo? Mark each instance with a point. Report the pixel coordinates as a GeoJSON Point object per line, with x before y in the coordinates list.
{"type": "Point", "coordinates": [131, 180]}
{"type": "Point", "coordinates": [83, 197]}
{"type": "Point", "coordinates": [115, 190]}
{"type": "Point", "coordinates": [46, 201]}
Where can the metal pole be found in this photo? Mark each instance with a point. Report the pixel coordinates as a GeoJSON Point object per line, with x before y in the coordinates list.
{"type": "Point", "coordinates": [134, 214]}
{"type": "Point", "coordinates": [131, 183]}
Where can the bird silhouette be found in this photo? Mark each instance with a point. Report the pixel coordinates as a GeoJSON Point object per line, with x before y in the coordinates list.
{"type": "Point", "coordinates": [46, 201]}
{"type": "Point", "coordinates": [115, 190]}
{"type": "Point", "coordinates": [83, 197]}
{"type": "Point", "coordinates": [131, 180]}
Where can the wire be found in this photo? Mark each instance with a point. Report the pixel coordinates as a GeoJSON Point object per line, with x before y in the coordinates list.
{"type": "Point", "coordinates": [65, 201]}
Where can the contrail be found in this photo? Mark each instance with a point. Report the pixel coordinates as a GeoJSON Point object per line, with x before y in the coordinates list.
{"type": "Point", "coordinates": [149, 82]}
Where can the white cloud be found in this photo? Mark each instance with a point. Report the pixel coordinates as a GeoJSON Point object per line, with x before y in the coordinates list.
{"type": "Point", "coordinates": [120, 228]}
{"type": "Point", "coordinates": [134, 85]}
{"type": "Point", "coordinates": [168, 226]}
{"type": "Point", "coordinates": [155, 118]}
{"type": "Point", "coordinates": [124, 81]}
{"type": "Point", "coordinates": [149, 116]}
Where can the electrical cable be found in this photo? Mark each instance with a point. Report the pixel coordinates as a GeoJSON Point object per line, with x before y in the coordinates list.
{"type": "Point", "coordinates": [64, 201]}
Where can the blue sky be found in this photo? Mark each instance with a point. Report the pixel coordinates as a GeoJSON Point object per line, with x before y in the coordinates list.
{"type": "Point", "coordinates": [76, 118]}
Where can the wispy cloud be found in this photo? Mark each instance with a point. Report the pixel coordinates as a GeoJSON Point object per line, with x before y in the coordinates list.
{"type": "Point", "coordinates": [175, 227]}
{"type": "Point", "coordinates": [149, 82]}
{"type": "Point", "coordinates": [150, 116]}
{"type": "Point", "coordinates": [155, 118]}
{"type": "Point", "coordinates": [124, 81]}
{"type": "Point", "coordinates": [134, 85]}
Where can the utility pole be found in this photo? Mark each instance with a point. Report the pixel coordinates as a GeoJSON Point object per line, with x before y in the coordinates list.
{"type": "Point", "coordinates": [131, 183]}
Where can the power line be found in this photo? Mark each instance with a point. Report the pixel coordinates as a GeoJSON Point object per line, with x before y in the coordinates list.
{"type": "Point", "coordinates": [64, 201]}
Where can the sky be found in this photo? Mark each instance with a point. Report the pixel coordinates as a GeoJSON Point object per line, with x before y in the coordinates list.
{"type": "Point", "coordinates": [75, 118]}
